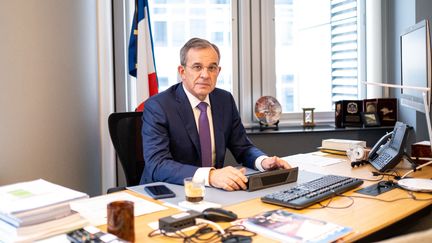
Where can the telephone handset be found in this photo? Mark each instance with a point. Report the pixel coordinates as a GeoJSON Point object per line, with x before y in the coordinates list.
{"type": "Point", "coordinates": [388, 151]}
{"type": "Point", "coordinates": [381, 144]}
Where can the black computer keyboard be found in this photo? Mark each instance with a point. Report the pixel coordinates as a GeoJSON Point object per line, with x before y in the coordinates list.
{"type": "Point", "coordinates": [306, 194]}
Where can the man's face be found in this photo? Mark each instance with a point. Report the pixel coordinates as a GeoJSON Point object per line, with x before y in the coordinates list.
{"type": "Point", "coordinates": [200, 74]}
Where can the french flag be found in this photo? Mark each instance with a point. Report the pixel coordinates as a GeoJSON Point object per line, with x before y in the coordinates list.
{"type": "Point", "coordinates": [141, 57]}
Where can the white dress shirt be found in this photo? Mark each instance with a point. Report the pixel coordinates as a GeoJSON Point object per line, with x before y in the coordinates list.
{"type": "Point", "coordinates": [203, 172]}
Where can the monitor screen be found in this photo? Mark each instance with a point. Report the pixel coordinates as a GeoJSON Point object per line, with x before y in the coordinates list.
{"type": "Point", "coordinates": [415, 64]}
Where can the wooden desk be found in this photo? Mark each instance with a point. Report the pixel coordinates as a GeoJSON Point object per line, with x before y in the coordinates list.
{"type": "Point", "coordinates": [365, 216]}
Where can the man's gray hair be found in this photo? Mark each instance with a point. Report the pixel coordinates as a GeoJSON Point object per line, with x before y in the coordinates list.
{"type": "Point", "coordinates": [196, 43]}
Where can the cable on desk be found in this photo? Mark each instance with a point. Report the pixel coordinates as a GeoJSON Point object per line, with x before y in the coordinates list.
{"type": "Point", "coordinates": [411, 193]}
{"type": "Point", "coordinates": [377, 179]}
{"type": "Point", "coordinates": [207, 234]}
{"type": "Point", "coordinates": [351, 197]}
{"type": "Point", "coordinates": [412, 197]}
{"type": "Point", "coordinates": [205, 221]}
{"type": "Point", "coordinates": [381, 175]}
{"type": "Point", "coordinates": [177, 234]}
{"type": "Point", "coordinates": [327, 205]}
{"type": "Point", "coordinates": [416, 169]}
{"type": "Point", "coordinates": [395, 174]}
{"type": "Point", "coordinates": [342, 207]}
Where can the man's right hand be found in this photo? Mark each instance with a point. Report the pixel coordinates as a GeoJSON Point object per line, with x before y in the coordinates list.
{"type": "Point", "coordinates": [228, 178]}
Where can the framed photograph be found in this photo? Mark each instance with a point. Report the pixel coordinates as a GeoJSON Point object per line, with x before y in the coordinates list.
{"type": "Point", "coordinates": [387, 111]}
{"type": "Point", "coordinates": [370, 105]}
{"type": "Point", "coordinates": [370, 119]}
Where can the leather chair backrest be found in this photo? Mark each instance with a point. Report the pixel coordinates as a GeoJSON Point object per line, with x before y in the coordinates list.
{"type": "Point", "coordinates": [125, 132]}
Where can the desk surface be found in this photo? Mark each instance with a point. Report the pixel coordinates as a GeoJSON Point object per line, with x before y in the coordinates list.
{"type": "Point", "coordinates": [365, 216]}
{"type": "Point", "coordinates": [226, 198]}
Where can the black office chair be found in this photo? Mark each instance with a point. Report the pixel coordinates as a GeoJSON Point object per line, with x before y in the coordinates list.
{"type": "Point", "coordinates": [125, 132]}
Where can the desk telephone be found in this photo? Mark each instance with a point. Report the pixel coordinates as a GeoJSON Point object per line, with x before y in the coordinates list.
{"type": "Point", "coordinates": [388, 151]}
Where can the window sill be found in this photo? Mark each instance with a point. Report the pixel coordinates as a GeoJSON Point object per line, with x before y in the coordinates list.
{"type": "Point", "coordinates": [317, 128]}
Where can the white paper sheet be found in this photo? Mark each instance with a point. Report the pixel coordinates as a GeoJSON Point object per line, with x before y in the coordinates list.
{"type": "Point", "coordinates": [55, 239]}
{"type": "Point", "coordinates": [95, 209]}
{"type": "Point", "coordinates": [314, 159]}
{"type": "Point", "coordinates": [201, 206]}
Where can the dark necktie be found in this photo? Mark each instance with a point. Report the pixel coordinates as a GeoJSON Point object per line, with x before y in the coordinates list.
{"type": "Point", "coordinates": [204, 135]}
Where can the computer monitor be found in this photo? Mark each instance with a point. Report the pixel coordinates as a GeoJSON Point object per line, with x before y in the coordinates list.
{"type": "Point", "coordinates": [415, 49]}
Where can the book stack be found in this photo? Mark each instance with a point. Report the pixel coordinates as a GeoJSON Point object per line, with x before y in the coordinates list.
{"type": "Point", "coordinates": [37, 209]}
{"type": "Point", "coordinates": [339, 146]}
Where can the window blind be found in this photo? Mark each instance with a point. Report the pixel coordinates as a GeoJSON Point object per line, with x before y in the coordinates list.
{"type": "Point", "coordinates": [344, 47]}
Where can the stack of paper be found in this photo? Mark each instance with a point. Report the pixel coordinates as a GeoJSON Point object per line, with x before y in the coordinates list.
{"type": "Point", "coordinates": [340, 145]}
{"type": "Point", "coordinates": [37, 209]}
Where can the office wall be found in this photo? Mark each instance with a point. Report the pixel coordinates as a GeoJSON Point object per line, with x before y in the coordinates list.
{"type": "Point", "coordinates": [400, 15]}
{"type": "Point", "coordinates": [49, 122]}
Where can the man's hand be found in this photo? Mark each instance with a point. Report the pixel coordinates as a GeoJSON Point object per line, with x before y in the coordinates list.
{"type": "Point", "coordinates": [228, 178]}
{"type": "Point", "coordinates": [273, 163]}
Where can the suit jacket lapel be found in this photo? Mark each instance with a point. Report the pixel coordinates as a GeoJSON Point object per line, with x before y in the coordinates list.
{"type": "Point", "coordinates": [187, 117]}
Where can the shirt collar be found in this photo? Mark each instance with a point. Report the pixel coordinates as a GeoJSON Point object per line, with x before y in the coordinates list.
{"type": "Point", "coordinates": [194, 101]}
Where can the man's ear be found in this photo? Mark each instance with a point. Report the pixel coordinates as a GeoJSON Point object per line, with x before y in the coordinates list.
{"type": "Point", "coordinates": [181, 70]}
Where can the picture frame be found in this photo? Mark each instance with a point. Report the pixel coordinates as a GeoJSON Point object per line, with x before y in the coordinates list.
{"type": "Point", "coordinates": [370, 119]}
{"type": "Point", "coordinates": [387, 111]}
{"type": "Point", "coordinates": [370, 105]}
{"type": "Point", "coordinates": [347, 113]}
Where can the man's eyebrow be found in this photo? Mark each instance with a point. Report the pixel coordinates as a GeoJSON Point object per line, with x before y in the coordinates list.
{"type": "Point", "coordinates": [198, 63]}
{"type": "Point", "coordinates": [213, 64]}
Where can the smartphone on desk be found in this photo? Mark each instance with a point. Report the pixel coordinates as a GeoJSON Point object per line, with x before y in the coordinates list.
{"type": "Point", "coordinates": [159, 191]}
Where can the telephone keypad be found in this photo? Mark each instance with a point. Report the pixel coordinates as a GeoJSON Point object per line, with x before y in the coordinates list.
{"type": "Point", "coordinates": [382, 160]}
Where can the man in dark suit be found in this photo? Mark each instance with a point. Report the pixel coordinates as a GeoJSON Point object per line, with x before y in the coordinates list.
{"type": "Point", "coordinates": [173, 148]}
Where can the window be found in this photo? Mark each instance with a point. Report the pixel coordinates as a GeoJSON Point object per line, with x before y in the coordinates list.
{"type": "Point", "coordinates": [206, 19]}
{"type": "Point", "coordinates": [316, 47]}
{"type": "Point", "coordinates": [218, 37]}
{"type": "Point", "coordinates": [303, 52]}
{"type": "Point", "coordinates": [160, 37]}
{"type": "Point", "coordinates": [178, 30]}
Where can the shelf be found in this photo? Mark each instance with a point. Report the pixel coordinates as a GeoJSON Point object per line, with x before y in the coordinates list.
{"type": "Point", "coordinates": [317, 128]}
